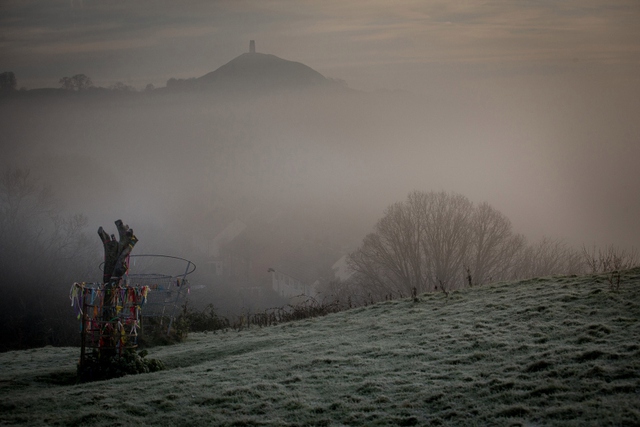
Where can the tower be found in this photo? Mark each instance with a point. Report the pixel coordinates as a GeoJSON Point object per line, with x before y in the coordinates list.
{"type": "Point", "coordinates": [252, 46]}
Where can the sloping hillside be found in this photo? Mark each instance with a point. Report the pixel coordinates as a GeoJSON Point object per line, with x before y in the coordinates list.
{"type": "Point", "coordinates": [259, 70]}
{"type": "Point", "coordinates": [553, 351]}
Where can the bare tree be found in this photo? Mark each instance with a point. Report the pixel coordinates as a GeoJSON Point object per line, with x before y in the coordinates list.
{"type": "Point", "coordinates": [445, 241]}
{"type": "Point", "coordinates": [494, 248]}
{"type": "Point", "coordinates": [24, 207]}
{"type": "Point", "coordinates": [418, 245]}
{"type": "Point", "coordinates": [392, 260]}
{"type": "Point", "coordinates": [439, 240]}
{"type": "Point", "coordinates": [121, 87]}
{"type": "Point", "coordinates": [34, 235]}
{"type": "Point", "coordinates": [610, 258]}
{"type": "Point", "coordinates": [8, 82]}
{"type": "Point", "coordinates": [548, 257]}
{"type": "Point", "coordinates": [43, 251]}
{"type": "Point", "coordinates": [78, 82]}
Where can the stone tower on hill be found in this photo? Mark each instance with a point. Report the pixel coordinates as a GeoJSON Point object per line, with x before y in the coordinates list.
{"type": "Point", "coordinates": [258, 71]}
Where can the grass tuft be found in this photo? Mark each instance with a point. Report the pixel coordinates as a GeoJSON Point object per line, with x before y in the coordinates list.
{"type": "Point", "coordinates": [547, 390]}
{"type": "Point", "coordinates": [513, 411]}
{"type": "Point", "coordinates": [590, 355]}
{"type": "Point", "coordinates": [538, 366]}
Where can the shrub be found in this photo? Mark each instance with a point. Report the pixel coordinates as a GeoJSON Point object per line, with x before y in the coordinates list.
{"type": "Point", "coordinates": [96, 367]}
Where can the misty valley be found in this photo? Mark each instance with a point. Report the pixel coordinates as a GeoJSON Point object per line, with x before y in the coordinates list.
{"type": "Point", "coordinates": [392, 257]}
{"type": "Point", "coordinates": [290, 186]}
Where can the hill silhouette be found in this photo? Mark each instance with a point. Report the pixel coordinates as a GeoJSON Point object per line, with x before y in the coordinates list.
{"type": "Point", "coordinates": [263, 71]}
{"type": "Point", "coordinates": [550, 351]}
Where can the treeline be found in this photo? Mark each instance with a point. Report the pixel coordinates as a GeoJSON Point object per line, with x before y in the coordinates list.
{"type": "Point", "coordinates": [43, 252]}
{"type": "Point", "coordinates": [75, 83]}
{"type": "Point", "coordinates": [82, 82]}
{"type": "Point", "coordinates": [442, 241]}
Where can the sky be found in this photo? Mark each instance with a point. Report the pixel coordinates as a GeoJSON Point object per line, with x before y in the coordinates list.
{"type": "Point", "coordinates": [370, 44]}
{"type": "Point", "coordinates": [540, 99]}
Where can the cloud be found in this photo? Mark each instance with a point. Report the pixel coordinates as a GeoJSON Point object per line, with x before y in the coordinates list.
{"type": "Point", "coordinates": [516, 34]}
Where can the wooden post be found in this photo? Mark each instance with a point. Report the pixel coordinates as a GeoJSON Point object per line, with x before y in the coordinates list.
{"type": "Point", "coordinates": [83, 331]}
{"type": "Point", "coordinates": [116, 264]}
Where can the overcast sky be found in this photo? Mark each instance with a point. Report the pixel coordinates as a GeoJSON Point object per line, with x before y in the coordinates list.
{"type": "Point", "coordinates": [378, 44]}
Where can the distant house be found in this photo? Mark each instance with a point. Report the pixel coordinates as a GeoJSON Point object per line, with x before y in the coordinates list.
{"type": "Point", "coordinates": [264, 254]}
{"type": "Point", "coordinates": [225, 262]}
{"type": "Point", "coordinates": [229, 233]}
{"type": "Point", "coordinates": [287, 285]}
{"type": "Point", "coordinates": [341, 269]}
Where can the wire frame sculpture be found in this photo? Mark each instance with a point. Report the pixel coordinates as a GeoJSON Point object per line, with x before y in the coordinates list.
{"type": "Point", "coordinates": [112, 317]}
{"type": "Point", "coordinates": [107, 329]}
{"type": "Point", "coordinates": [165, 277]}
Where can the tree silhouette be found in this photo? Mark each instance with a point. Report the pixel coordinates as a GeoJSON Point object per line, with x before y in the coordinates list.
{"type": "Point", "coordinates": [78, 82]}
{"type": "Point", "coordinates": [8, 82]}
{"type": "Point", "coordinates": [442, 241]}
{"type": "Point", "coordinates": [42, 251]}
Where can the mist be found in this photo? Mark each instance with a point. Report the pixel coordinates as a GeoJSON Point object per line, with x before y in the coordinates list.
{"type": "Point", "coordinates": [303, 173]}
{"type": "Point", "coordinates": [556, 159]}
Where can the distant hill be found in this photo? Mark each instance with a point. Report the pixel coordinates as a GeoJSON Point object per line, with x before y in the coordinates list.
{"type": "Point", "coordinates": [250, 71]}
{"type": "Point", "coordinates": [559, 351]}
{"type": "Point", "coordinates": [259, 70]}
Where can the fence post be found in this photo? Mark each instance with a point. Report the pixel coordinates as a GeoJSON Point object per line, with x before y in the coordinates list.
{"type": "Point", "coordinates": [83, 330]}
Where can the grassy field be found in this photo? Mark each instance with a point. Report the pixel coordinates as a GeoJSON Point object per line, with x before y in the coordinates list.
{"type": "Point", "coordinates": [559, 351]}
